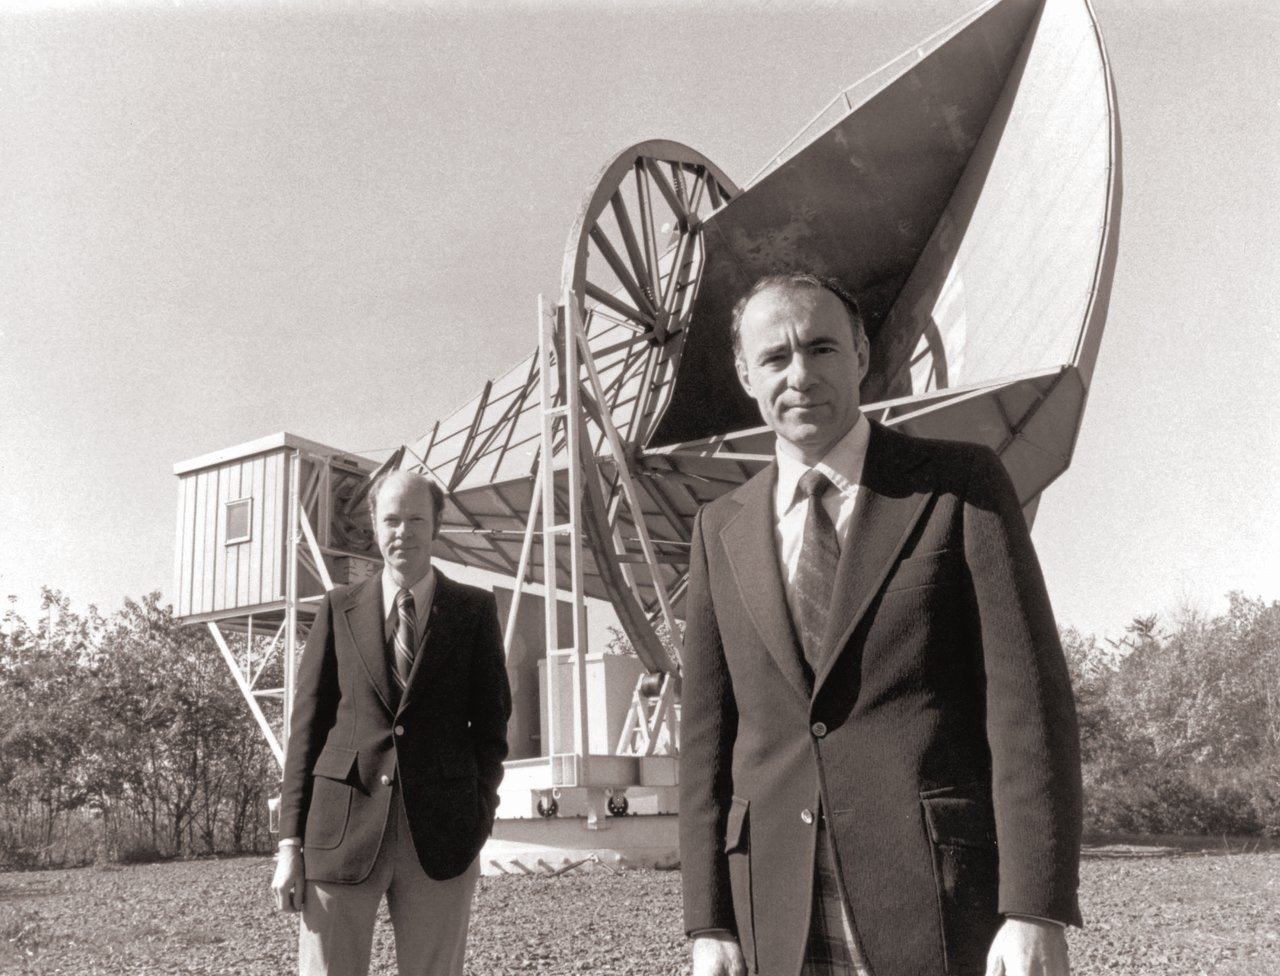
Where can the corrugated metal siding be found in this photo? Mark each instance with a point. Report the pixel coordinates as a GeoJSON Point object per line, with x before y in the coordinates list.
{"type": "Point", "coordinates": [183, 547]}
{"type": "Point", "coordinates": [210, 575]}
{"type": "Point", "coordinates": [250, 589]}
{"type": "Point", "coordinates": [274, 515]}
{"type": "Point", "coordinates": [221, 479]}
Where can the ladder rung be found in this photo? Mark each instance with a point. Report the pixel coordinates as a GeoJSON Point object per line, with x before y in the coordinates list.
{"type": "Point", "coordinates": [562, 529]}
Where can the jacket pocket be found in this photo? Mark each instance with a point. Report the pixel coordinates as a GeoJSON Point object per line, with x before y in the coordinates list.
{"type": "Point", "coordinates": [737, 849]}
{"type": "Point", "coordinates": [966, 866]}
{"type": "Point", "coordinates": [336, 762]}
{"type": "Point", "coordinates": [939, 566]}
{"type": "Point", "coordinates": [332, 781]}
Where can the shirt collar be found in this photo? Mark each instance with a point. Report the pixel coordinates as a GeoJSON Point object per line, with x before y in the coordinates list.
{"type": "Point", "coordinates": [842, 464]}
{"type": "Point", "coordinates": [423, 591]}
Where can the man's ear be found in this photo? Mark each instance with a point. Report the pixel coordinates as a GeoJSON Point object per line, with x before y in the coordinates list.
{"type": "Point", "coordinates": [744, 375]}
{"type": "Point", "coordinates": [864, 356]}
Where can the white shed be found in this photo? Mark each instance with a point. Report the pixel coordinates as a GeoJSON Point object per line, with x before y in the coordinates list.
{"type": "Point", "coordinates": [232, 547]}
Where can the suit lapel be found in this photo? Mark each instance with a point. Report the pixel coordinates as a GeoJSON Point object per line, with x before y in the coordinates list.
{"type": "Point", "coordinates": [438, 638]}
{"type": "Point", "coordinates": [364, 617]}
{"type": "Point", "coordinates": [752, 554]}
{"type": "Point", "coordinates": [887, 508]}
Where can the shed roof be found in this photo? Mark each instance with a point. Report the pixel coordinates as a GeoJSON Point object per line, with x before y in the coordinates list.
{"type": "Point", "coordinates": [272, 442]}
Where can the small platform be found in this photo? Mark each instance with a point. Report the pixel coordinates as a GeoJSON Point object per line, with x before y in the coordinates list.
{"type": "Point", "coordinates": [648, 782]}
{"type": "Point", "coordinates": [559, 845]}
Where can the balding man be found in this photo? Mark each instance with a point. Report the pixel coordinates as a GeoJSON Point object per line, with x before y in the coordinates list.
{"type": "Point", "coordinates": [395, 753]}
{"type": "Point", "coordinates": [879, 760]}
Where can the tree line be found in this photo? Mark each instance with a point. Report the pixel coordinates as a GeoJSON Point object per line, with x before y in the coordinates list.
{"type": "Point", "coordinates": [1180, 724]}
{"type": "Point", "coordinates": [124, 738]}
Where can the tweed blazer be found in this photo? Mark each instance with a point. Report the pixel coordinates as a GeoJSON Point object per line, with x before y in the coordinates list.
{"type": "Point", "coordinates": [937, 738]}
{"type": "Point", "coordinates": [352, 735]}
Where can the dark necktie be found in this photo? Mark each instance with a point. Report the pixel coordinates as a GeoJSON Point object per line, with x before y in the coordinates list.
{"type": "Point", "coordinates": [816, 573]}
{"type": "Point", "coordinates": [404, 641]}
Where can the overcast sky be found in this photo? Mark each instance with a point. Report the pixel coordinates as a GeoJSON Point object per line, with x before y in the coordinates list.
{"type": "Point", "coordinates": [219, 221]}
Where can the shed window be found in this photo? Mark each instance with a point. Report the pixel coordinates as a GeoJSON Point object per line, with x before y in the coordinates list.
{"type": "Point", "coordinates": [239, 520]}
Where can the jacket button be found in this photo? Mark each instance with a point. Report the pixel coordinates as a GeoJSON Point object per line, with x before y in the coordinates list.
{"type": "Point", "coordinates": [807, 816]}
{"type": "Point", "coordinates": [819, 729]}
{"type": "Point", "coordinates": [386, 781]}
{"type": "Point", "coordinates": [399, 730]}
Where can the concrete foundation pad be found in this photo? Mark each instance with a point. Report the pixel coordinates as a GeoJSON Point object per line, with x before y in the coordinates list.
{"type": "Point", "coordinates": [561, 844]}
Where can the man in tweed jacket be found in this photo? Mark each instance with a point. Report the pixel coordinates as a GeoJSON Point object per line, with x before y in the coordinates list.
{"type": "Point", "coordinates": [879, 753]}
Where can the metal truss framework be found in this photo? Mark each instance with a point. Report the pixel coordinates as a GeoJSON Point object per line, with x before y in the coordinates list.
{"type": "Point", "coordinates": [593, 485]}
{"type": "Point", "coordinates": [261, 646]}
{"type": "Point", "coordinates": [582, 468]}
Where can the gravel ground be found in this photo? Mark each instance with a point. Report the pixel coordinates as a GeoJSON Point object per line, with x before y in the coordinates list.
{"type": "Point", "coordinates": [1175, 914]}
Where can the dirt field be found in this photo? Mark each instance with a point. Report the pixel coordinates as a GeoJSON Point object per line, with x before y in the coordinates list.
{"type": "Point", "coordinates": [1171, 913]}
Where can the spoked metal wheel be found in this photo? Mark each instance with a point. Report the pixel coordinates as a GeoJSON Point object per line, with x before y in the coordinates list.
{"type": "Point", "coordinates": [631, 271]}
{"type": "Point", "coordinates": [632, 265]}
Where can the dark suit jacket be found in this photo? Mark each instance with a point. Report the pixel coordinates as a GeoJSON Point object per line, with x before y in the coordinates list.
{"type": "Point", "coordinates": [938, 736]}
{"type": "Point", "coordinates": [444, 742]}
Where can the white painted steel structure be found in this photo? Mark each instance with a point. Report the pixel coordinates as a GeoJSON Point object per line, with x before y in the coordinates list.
{"type": "Point", "coordinates": [256, 590]}
{"type": "Point", "coordinates": [968, 193]}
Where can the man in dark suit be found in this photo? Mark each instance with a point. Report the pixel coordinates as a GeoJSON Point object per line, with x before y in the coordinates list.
{"type": "Point", "coordinates": [395, 753]}
{"type": "Point", "coordinates": [879, 754]}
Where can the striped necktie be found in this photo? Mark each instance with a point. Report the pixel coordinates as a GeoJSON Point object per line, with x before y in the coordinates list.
{"type": "Point", "coordinates": [404, 641]}
{"type": "Point", "coordinates": [816, 573]}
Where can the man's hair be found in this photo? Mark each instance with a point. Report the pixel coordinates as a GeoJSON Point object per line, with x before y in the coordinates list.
{"type": "Point", "coordinates": [437, 494]}
{"type": "Point", "coordinates": [791, 280]}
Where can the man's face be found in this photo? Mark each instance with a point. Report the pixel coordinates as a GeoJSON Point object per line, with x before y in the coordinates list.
{"type": "Point", "coordinates": [801, 363]}
{"type": "Point", "coordinates": [405, 523]}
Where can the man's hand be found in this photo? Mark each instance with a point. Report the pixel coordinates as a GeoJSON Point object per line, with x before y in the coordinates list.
{"type": "Point", "coordinates": [1028, 947]}
{"type": "Point", "coordinates": [717, 955]}
{"type": "Point", "coordinates": [289, 885]}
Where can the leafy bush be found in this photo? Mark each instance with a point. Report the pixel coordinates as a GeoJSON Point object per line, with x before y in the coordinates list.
{"type": "Point", "coordinates": [1171, 804]}
{"type": "Point", "coordinates": [123, 737]}
{"type": "Point", "coordinates": [139, 852]}
{"type": "Point", "coordinates": [1180, 732]}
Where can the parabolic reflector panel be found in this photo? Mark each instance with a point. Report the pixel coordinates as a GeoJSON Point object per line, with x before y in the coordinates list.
{"type": "Point", "coordinates": [858, 203]}
{"type": "Point", "coordinates": [968, 194]}
{"type": "Point", "coordinates": [1008, 279]}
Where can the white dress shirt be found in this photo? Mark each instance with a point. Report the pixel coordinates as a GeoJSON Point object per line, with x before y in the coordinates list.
{"type": "Point", "coordinates": [424, 592]}
{"type": "Point", "coordinates": [843, 465]}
